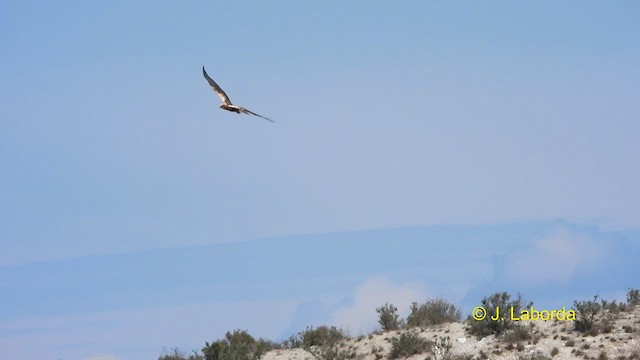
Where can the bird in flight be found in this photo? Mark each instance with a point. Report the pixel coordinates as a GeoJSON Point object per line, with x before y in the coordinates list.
{"type": "Point", "coordinates": [226, 103]}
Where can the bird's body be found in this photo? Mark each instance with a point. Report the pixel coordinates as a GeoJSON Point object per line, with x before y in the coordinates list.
{"type": "Point", "coordinates": [226, 103]}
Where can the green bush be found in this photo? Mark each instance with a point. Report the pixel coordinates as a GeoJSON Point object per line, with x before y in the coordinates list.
{"type": "Point", "coordinates": [432, 312]}
{"type": "Point", "coordinates": [443, 348]}
{"type": "Point", "coordinates": [263, 345]}
{"type": "Point", "coordinates": [613, 307]}
{"type": "Point", "coordinates": [388, 317]}
{"type": "Point", "coordinates": [332, 353]}
{"type": "Point", "coordinates": [633, 297]}
{"type": "Point", "coordinates": [294, 341]}
{"type": "Point", "coordinates": [177, 354]}
{"type": "Point", "coordinates": [408, 344]}
{"type": "Point", "coordinates": [517, 333]}
{"type": "Point", "coordinates": [587, 315]}
{"type": "Point", "coordinates": [322, 342]}
{"type": "Point", "coordinates": [320, 336]}
{"type": "Point", "coordinates": [237, 345]}
{"type": "Point", "coordinates": [503, 302]}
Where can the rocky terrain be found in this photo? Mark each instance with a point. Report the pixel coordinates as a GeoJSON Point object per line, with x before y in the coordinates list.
{"type": "Point", "coordinates": [618, 337]}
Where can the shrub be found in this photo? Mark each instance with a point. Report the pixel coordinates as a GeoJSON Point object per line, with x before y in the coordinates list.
{"type": "Point", "coordinates": [294, 341]}
{"type": "Point", "coordinates": [612, 307]}
{"type": "Point", "coordinates": [214, 350]}
{"type": "Point", "coordinates": [322, 342]}
{"type": "Point", "coordinates": [408, 344]}
{"type": "Point", "coordinates": [587, 314]}
{"type": "Point", "coordinates": [177, 354]}
{"type": "Point", "coordinates": [442, 348]}
{"type": "Point", "coordinates": [321, 336]}
{"type": "Point", "coordinates": [433, 312]}
{"type": "Point", "coordinates": [535, 356]}
{"type": "Point", "coordinates": [555, 351]}
{"type": "Point", "coordinates": [332, 353]}
{"type": "Point", "coordinates": [503, 302]}
{"type": "Point", "coordinates": [628, 329]}
{"type": "Point", "coordinates": [570, 343]}
{"type": "Point", "coordinates": [237, 345]}
{"type": "Point", "coordinates": [388, 317]}
{"type": "Point", "coordinates": [633, 297]}
{"type": "Point", "coordinates": [262, 346]}
{"type": "Point", "coordinates": [517, 333]}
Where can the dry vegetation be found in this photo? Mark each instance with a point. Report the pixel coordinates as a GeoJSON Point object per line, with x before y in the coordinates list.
{"type": "Point", "coordinates": [434, 330]}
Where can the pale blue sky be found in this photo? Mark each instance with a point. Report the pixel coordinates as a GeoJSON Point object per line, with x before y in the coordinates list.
{"type": "Point", "coordinates": [115, 160]}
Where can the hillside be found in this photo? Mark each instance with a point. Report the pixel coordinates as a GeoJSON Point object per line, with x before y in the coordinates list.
{"type": "Point", "coordinates": [502, 327]}
{"type": "Point", "coordinates": [619, 339]}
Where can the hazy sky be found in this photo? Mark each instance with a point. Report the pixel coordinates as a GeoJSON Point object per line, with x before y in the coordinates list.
{"type": "Point", "coordinates": [516, 121]}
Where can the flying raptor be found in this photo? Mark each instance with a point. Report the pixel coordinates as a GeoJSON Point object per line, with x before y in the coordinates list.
{"type": "Point", "coordinates": [226, 103]}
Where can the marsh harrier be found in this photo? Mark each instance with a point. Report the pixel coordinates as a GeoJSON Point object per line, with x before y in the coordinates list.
{"type": "Point", "coordinates": [226, 103]}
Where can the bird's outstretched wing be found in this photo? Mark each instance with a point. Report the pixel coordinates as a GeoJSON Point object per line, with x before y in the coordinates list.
{"type": "Point", "coordinates": [246, 111]}
{"type": "Point", "coordinates": [216, 88]}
